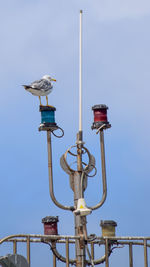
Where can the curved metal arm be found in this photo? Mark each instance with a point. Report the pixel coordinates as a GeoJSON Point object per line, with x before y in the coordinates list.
{"type": "Point", "coordinates": [59, 256]}
{"type": "Point", "coordinates": [73, 261]}
{"type": "Point", "coordinates": [50, 172]}
{"type": "Point", "coordinates": [103, 173]}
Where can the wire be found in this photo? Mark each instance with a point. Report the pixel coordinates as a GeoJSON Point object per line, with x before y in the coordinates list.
{"type": "Point", "coordinates": [58, 136]}
{"type": "Point", "coordinates": [82, 176]}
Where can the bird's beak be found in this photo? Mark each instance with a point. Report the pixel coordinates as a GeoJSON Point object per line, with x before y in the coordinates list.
{"type": "Point", "coordinates": [53, 80]}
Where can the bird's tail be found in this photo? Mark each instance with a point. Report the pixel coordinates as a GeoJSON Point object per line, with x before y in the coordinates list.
{"type": "Point", "coordinates": [26, 86]}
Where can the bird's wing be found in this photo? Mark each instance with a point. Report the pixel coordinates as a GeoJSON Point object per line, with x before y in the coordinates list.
{"type": "Point", "coordinates": [42, 84]}
{"type": "Point", "coordinates": [27, 87]}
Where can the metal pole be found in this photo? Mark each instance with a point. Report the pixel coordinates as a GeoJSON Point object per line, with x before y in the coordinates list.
{"type": "Point", "coordinates": [54, 260]}
{"type": "Point", "coordinates": [130, 255]}
{"type": "Point", "coordinates": [67, 252]}
{"type": "Point", "coordinates": [80, 74]}
{"type": "Point", "coordinates": [145, 254]}
{"type": "Point", "coordinates": [106, 253]}
{"type": "Point", "coordinates": [102, 146]}
{"type": "Point", "coordinates": [79, 231]}
{"type": "Point", "coordinates": [50, 172]}
{"type": "Point", "coordinates": [28, 250]}
{"type": "Point", "coordinates": [80, 247]}
{"type": "Point", "coordinates": [14, 247]}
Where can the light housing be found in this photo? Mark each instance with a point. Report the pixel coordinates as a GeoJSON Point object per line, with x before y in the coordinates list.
{"type": "Point", "coordinates": [47, 118]}
{"type": "Point", "coordinates": [100, 116]}
{"type": "Point", "coordinates": [50, 225]}
{"type": "Point", "coordinates": [108, 228]}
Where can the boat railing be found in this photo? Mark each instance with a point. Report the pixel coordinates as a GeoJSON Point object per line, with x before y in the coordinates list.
{"type": "Point", "coordinates": [109, 244]}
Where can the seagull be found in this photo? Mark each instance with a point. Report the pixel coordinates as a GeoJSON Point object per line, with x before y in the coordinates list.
{"type": "Point", "coordinates": [42, 87]}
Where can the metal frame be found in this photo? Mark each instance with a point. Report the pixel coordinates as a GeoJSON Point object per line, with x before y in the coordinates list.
{"type": "Point", "coordinates": [109, 243]}
{"type": "Point", "coordinates": [77, 176]}
{"type": "Point", "coordinates": [50, 169]}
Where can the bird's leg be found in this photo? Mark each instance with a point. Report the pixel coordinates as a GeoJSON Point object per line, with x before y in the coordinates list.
{"type": "Point", "coordinates": [47, 100]}
{"type": "Point", "coordinates": [40, 101]}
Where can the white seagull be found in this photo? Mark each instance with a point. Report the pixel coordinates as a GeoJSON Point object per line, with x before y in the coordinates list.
{"type": "Point", "coordinates": [42, 87]}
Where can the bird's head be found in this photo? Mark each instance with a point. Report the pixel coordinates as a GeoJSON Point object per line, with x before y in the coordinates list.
{"type": "Point", "coordinates": [47, 77]}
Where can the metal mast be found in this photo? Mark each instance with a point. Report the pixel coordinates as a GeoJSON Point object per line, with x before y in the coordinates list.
{"type": "Point", "coordinates": [79, 221]}
{"type": "Point", "coordinates": [79, 175]}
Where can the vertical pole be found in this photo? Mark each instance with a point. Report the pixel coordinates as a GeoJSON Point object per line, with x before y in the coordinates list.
{"type": "Point", "coordinates": [14, 247]}
{"type": "Point", "coordinates": [130, 255]}
{"type": "Point", "coordinates": [54, 260]}
{"type": "Point", "coordinates": [50, 173]}
{"type": "Point", "coordinates": [28, 250]}
{"type": "Point", "coordinates": [80, 74]}
{"type": "Point", "coordinates": [103, 166]}
{"type": "Point", "coordinates": [80, 248]}
{"type": "Point", "coordinates": [67, 252]}
{"type": "Point", "coordinates": [106, 253]}
{"type": "Point", "coordinates": [145, 253]}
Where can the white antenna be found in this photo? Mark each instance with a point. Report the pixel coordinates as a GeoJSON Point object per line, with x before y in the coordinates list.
{"type": "Point", "coordinates": [80, 74]}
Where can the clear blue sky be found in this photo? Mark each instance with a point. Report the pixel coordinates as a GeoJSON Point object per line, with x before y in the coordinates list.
{"type": "Point", "coordinates": [41, 37]}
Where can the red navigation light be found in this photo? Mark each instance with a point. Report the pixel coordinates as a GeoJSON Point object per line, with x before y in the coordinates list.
{"type": "Point", "coordinates": [100, 116]}
{"type": "Point", "coordinates": [50, 225]}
